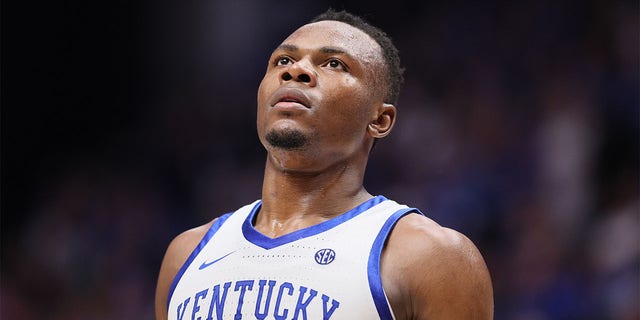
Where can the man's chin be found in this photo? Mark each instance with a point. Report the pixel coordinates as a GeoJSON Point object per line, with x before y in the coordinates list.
{"type": "Point", "coordinates": [287, 139]}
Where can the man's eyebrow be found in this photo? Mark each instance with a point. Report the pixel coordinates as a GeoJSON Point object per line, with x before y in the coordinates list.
{"type": "Point", "coordinates": [332, 50]}
{"type": "Point", "coordinates": [287, 47]}
{"type": "Point", "coordinates": [293, 48]}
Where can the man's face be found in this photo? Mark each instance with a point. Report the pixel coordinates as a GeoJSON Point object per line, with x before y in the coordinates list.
{"type": "Point", "coordinates": [320, 92]}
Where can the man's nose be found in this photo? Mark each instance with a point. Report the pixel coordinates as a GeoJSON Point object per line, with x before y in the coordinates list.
{"type": "Point", "coordinates": [300, 71]}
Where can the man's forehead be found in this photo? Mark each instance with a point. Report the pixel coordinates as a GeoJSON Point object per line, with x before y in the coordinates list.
{"type": "Point", "coordinates": [336, 34]}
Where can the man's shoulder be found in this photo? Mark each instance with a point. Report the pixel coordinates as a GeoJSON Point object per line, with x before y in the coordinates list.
{"type": "Point", "coordinates": [182, 245]}
{"type": "Point", "coordinates": [434, 264]}
{"type": "Point", "coordinates": [177, 253]}
{"type": "Point", "coordinates": [421, 238]}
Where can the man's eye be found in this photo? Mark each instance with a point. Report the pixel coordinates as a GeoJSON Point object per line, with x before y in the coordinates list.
{"type": "Point", "coordinates": [335, 64]}
{"type": "Point", "coordinates": [283, 61]}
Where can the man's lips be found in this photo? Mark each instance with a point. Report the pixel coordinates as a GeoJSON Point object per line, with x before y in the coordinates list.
{"type": "Point", "coordinates": [290, 98]}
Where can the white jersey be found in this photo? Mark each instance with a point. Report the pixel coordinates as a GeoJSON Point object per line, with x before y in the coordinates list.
{"type": "Point", "coordinates": [327, 271]}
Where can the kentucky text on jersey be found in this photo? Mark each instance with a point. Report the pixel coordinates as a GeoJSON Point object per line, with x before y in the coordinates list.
{"type": "Point", "coordinates": [267, 298]}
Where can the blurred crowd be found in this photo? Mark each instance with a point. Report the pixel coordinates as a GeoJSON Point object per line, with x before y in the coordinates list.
{"type": "Point", "coordinates": [518, 126]}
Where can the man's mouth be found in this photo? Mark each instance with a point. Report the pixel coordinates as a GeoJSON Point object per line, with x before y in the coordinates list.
{"type": "Point", "coordinates": [290, 98]}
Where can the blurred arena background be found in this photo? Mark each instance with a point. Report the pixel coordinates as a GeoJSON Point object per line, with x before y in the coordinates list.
{"type": "Point", "coordinates": [127, 122]}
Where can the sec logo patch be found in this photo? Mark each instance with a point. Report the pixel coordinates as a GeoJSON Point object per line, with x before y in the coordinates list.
{"type": "Point", "coordinates": [325, 256]}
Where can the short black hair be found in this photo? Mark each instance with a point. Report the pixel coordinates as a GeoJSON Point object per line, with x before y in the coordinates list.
{"type": "Point", "coordinates": [394, 71]}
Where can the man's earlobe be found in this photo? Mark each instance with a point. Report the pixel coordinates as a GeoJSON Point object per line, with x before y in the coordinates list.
{"type": "Point", "coordinates": [382, 125]}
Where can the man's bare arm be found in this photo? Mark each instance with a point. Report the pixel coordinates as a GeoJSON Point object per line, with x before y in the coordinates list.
{"type": "Point", "coordinates": [435, 273]}
{"type": "Point", "coordinates": [177, 253]}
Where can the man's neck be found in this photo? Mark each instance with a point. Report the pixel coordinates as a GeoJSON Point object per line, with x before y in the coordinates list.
{"type": "Point", "coordinates": [295, 200]}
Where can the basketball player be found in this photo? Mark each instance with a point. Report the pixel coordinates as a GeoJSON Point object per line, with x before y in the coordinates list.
{"type": "Point", "coordinates": [318, 245]}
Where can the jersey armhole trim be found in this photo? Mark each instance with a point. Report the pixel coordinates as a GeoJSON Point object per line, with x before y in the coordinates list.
{"type": "Point", "coordinates": [373, 268]}
{"type": "Point", "coordinates": [212, 230]}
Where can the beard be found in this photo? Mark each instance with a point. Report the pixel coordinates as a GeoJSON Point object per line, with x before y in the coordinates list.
{"type": "Point", "coordinates": [287, 139]}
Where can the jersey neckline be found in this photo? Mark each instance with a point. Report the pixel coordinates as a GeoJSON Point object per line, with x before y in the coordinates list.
{"type": "Point", "coordinates": [254, 236]}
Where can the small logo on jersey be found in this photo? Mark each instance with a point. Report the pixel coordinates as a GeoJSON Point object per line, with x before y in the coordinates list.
{"type": "Point", "coordinates": [325, 256]}
{"type": "Point", "coordinates": [207, 264]}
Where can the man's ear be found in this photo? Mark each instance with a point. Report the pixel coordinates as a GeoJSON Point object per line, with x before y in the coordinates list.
{"type": "Point", "coordinates": [381, 126]}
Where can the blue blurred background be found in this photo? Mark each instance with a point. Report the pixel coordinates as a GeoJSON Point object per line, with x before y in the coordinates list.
{"type": "Point", "coordinates": [127, 122]}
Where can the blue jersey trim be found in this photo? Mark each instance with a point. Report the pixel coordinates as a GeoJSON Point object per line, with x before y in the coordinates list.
{"type": "Point", "coordinates": [252, 235]}
{"type": "Point", "coordinates": [212, 230]}
{"type": "Point", "coordinates": [373, 268]}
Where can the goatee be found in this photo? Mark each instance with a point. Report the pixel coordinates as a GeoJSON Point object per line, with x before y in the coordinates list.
{"type": "Point", "coordinates": [287, 139]}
